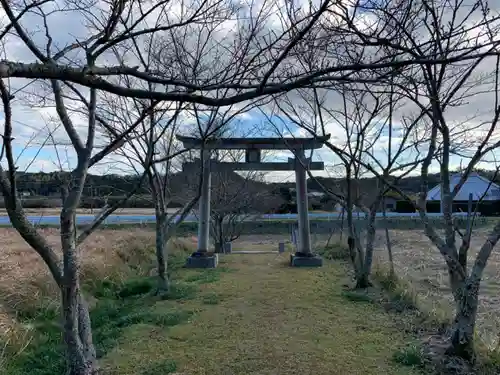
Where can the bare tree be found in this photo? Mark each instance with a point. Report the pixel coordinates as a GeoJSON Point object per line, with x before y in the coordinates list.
{"type": "Point", "coordinates": [234, 200]}
{"type": "Point", "coordinates": [363, 124]}
{"type": "Point", "coordinates": [153, 149]}
{"type": "Point", "coordinates": [439, 91]}
{"type": "Point", "coordinates": [254, 51]}
{"type": "Point", "coordinates": [255, 61]}
{"type": "Point", "coordinates": [77, 328]}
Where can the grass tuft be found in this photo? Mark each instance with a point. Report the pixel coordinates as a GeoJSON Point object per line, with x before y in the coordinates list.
{"type": "Point", "coordinates": [136, 287]}
{"type": "Point", "coordinates": [403, 296]}
{"type": "Point", "coordinates": [335, 251]}
{"type": "Point", "coordinates": [409, 356]}
{"type": "Point", "coordinates": [211, 299]}
{"type": "Point", "coordinates": [180, 290]}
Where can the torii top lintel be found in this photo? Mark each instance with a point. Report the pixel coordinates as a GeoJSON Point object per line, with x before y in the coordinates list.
{"type": "Point", "coordinates": [254, 143]}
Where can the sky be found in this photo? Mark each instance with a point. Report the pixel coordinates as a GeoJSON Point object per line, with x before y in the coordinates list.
{"type": "Point", "coordinates": [35, 156]}
{"type": "Point", "coordinates": [34, 121]}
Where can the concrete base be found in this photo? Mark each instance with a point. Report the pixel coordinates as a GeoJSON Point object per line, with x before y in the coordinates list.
{"type": "Point", "coordinates": [305, 261]}
{"type": "Point", "coordinates": [203, 262]}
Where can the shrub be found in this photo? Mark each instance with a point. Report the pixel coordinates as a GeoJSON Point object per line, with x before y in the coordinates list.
{"type": "Point", "coordinates": [409, 356]}
{"type": "Point", "coordinates": [335, 251]}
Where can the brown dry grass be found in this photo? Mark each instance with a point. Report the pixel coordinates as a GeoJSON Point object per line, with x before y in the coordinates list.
{"type": "Point", "coordinates": [419, 261]}
{"type": "Point", "coordinates": [25, 279]}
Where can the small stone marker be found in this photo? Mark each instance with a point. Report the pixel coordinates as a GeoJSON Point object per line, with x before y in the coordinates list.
{"type": "Point", "coordinates": [228, 248]}
{"type": "Point", "coordinates": [281, 248]}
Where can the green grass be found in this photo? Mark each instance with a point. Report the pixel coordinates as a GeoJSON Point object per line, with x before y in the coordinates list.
{"type": "Point", "coordinates": [163, 367]}
{"type": "Point", "coordinates": [251, 315]}
{"type": "Point", "coordinates": [264, 318]}
{"type": "Point", "coordinates": [357, 296]}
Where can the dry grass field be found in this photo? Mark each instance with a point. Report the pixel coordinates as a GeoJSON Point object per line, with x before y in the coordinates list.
{"type": "Point", "coordinates": [419, 261]}
{"type": "Point", "coordinates": [252, 315]}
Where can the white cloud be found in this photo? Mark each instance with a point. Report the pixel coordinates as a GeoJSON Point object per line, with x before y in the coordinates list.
{"type": "Point", "coordinates": [69, 26]}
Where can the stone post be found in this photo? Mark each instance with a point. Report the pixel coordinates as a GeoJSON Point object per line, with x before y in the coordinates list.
{"type": "Point", "coordinates": [302, 203]}
{"type": "Point", "coordinates": [281, 247]}
{"type": "Point", "coordinates": [204, 214]}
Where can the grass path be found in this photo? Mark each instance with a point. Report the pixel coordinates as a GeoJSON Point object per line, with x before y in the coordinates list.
{"type": "Point", "coordinates": [264, 318]}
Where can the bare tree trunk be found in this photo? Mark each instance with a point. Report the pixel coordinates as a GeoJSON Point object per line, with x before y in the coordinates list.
{"type": "Point", "coordinates": [462, 338]}
{"type": "Point", "coordinates": [165, 229]}
{"type": "Point", "coordinates": [160, 244]}
{"type": "Point", "coordinates": [80, 350]}
{"type": "Point", "coordinates": [342, 224]}
{"type": "Point", "coordinates": [219, 234]}
{"type": "Point", "coordinates": [77, 330]}
{"type": "Point", "coordinates": [364, 277]}
{"type": "Point", "coordinates": [353, 238]}
{"type": "Point", "coordinates": [388, 239]}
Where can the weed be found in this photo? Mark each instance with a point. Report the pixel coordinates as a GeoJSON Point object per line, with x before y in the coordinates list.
{"type": "Point", "coordinates": [409, 356]}
{"type": "Point", "coordinates": [211, 299]}
{"type": "Point", "coordinates": [159, 319]}
{"type": "Point", "coordinates": [402, 295]}
{"type": "Point", "coordinates": [44, 355]}
{"type": "Point", "coordinates": [180, 291]}
{"type": "Point", "coordinates": [135, 287]}
{"type": "Point", "coordinates": [111, 317]}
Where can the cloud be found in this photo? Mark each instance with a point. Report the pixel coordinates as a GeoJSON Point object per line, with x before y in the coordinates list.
{"type": "Point", "coordinates": [467, 119]}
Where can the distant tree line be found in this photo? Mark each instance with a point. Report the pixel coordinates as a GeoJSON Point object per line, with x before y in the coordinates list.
{"type": "Point", "coordinates": [42, 190]}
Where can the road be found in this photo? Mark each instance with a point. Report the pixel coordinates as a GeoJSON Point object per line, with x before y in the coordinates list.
{"type": "Point", "coordinates": [53, 220]}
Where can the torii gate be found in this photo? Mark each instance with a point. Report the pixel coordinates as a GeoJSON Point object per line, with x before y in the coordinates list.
{"type": "Point", "coordinates": [202, 258]}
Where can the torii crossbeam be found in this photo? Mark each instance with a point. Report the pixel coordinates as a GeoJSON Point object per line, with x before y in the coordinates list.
{"type": "Point", "coordinates": [253, 148]}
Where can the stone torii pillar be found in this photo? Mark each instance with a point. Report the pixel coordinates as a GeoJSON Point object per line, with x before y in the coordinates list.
{"type": "Point", "coordinates": [204, 205]}
{"type": "Point", "coordinates": [304, 257]}
{"type": "Point", "coordinates": [302, 202]}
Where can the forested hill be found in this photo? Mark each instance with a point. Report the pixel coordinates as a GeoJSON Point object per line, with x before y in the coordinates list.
{"type": "Point", "coordinates": [48, 184]}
